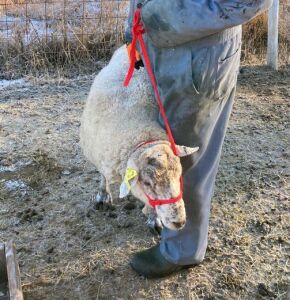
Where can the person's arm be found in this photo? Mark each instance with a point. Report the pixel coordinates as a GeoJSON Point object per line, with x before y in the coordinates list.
{"type": "Point", "coordinates": [170, 23]}
{"type": "Point", "coordinates": [128, 32]}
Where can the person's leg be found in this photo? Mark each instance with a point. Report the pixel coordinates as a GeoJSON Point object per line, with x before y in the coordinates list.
{"type": "Point", "coordinates": [204, 125]}
{"type": "Point", "coordinates": [188, 246]}
{"type": "Point", "coordinates": [197, 86]}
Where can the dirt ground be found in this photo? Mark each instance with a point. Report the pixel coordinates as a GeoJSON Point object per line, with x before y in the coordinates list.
{"type": "Point", "coordinates": [69, 250]}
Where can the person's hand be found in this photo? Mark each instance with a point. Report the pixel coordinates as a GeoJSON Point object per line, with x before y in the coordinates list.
{"type": "Point", "coordinates": [139, 62]}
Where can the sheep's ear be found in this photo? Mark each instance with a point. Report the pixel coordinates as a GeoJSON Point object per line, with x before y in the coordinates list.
{"type": "Point", "coordinates": [124, 191]}
{"type": "Point", "coordinates": [185, 151]}
{"type": "Point", "coordinates": [130, 179]}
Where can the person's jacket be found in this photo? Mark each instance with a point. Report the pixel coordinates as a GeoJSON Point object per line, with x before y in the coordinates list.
{"type": "Point", "coordinates": [171, 23]}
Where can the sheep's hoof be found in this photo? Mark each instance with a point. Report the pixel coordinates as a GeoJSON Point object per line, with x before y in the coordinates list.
{"type": "Point", "coordinates": [154, 224]}
{"type": "Point", "coordinates": [103, 201]}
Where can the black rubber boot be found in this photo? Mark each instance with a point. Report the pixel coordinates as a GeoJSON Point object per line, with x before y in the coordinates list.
{"type": "Point", "coordinates": [151, 264]}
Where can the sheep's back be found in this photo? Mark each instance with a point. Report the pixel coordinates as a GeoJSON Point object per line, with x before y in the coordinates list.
{"type": "Point", "coordinates": [117, 118]}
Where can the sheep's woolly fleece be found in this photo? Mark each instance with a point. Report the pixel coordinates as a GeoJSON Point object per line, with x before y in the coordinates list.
{"type": "Point", "coordinates": [117, 118]}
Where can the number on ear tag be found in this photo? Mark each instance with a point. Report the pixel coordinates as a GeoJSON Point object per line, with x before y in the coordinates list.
{"type": "Point", "coordinates": [130, 174]}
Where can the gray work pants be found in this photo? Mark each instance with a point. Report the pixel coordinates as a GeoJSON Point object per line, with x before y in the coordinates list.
{"type": "Point", "coordinates": [197, 83]}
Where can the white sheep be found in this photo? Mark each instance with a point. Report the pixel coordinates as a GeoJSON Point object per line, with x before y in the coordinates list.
{"type": "Point", "coordinates": [115, 120]}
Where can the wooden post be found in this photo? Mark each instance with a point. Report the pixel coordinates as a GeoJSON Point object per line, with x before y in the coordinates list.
{"type": "Point", "coordinates": [15, 289]}
{"type": "Point", "coordinates": [3, 271]}
{"type": "Point", "coordinates": [4, 293]}
{"type": "Point", "coordinates": [273, 31]}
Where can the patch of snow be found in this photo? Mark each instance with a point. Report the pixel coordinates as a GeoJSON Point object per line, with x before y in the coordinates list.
{"type": "Point", "coordinates": [15, 167]}
{"type": "Point", "coordinates": [13, 185]}
{"type": "Point", "coordinates": [30, 29]}
{"type": "Point", "coordinates": [40, 28]}
{"type": "Point", "coordinates": [7, 169]}
{"type": "Point", "coordinates": [7, 83]}
{"type": "Point", "coordinates": [94, 8]}
{"type": "Point", "coordinates": [66, 172]}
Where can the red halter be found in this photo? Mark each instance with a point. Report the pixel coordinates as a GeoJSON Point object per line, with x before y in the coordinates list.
{"type": "Point", "coordinates": [137, 31]}
{"type": "Point", "coordinates": [156, 202]}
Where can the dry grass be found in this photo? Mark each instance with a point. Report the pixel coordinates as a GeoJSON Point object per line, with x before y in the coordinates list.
{"type": "Point", "coordinates": [58, 36]}
{"type": "Point", "coordinates": [255, 37]}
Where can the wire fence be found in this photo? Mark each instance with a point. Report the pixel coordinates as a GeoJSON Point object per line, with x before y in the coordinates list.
{"type": "Point", "coordinates": [37, 35]}
{"type": "Point", "coordinates": [47, 33]}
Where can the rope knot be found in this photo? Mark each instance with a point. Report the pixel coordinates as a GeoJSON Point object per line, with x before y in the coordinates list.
{"type": "Point", "coordinates": [138, 29]}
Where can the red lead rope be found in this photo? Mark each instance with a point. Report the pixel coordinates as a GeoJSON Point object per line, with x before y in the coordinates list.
{"type": "Point", "coordinates": [137, 32]}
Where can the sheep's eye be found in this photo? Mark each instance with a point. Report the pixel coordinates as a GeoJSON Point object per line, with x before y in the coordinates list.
{"type": "Point", "coordinates": [147, 183]}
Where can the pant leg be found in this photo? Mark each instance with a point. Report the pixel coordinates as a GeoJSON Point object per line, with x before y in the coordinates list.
{"type": "Point", "coordinates": [198, 109]}
{"type": "Point", "coordinates": [188, 246]}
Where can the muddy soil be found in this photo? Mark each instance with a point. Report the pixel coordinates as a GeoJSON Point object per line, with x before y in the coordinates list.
{"type": "Point", "coordinates": [69, 250]}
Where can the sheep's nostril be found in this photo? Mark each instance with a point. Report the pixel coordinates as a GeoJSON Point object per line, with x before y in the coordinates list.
{"type": "Point", "coordinates": [178, 224]}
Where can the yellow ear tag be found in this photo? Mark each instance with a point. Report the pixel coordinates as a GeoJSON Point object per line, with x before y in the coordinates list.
{"type": "Point", "coordinates": [130, 174]}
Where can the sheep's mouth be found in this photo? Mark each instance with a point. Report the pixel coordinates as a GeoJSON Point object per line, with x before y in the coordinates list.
{"type": "Point", "coordinates": [179, 225]}
{"type": "Point", "coordinates": [176, 225]}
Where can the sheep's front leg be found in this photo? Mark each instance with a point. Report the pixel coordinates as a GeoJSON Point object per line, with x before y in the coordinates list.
{"type": "Point", "coordinates": [103, 196]}
{"type": "Point", "coordinates": [153, 222]}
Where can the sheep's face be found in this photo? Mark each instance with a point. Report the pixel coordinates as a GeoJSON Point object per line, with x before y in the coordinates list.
{"type": "Point", "coordinates": [159, 177]}
{"type": "Point", "coordinates": [159, 172]}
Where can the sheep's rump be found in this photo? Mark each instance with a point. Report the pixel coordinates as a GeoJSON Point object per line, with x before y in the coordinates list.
{"type": "Point", "coordinates": [117, 118]}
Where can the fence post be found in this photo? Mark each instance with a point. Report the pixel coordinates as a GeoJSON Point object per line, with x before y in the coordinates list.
{"type": "Point", "coordinates": [273, 31]}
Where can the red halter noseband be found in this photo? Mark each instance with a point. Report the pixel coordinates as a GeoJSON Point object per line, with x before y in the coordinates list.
{"type": "Point", "coordinates": [156, 202]}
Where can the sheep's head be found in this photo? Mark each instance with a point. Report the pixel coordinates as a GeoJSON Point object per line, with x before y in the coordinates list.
{"type": "Point", "coordinates": [158, 173]}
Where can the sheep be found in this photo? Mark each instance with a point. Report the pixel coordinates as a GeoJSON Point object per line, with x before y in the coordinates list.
{"type": "Point", "coordinates": [115, 120]}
